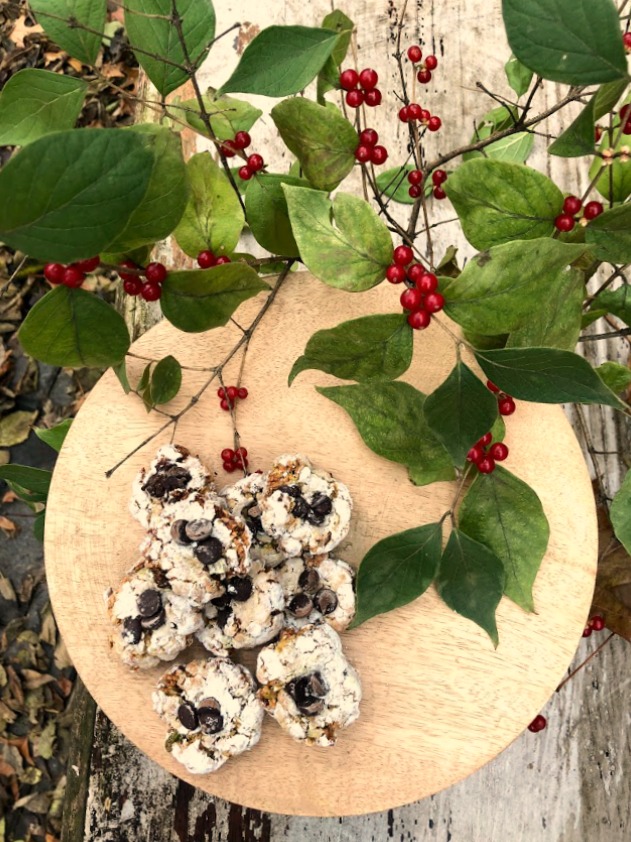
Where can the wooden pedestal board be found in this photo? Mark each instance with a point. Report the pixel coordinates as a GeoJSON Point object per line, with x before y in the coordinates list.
{"type": "Point", "coordinates": [439, 701]}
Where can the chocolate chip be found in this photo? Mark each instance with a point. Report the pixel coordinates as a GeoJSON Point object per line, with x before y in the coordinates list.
{"type": "Point", "coordinates": [322, 505]}
{"type": "Point", "coordinates": [209, 552]}
{"type": "Point", "coordinates": [199, 530]}
{"type": "Point", "coordinates": [312, 708]}
{"type": "Point", "coordinates": [308, 692]}
{"type": "Point", "coordinates": [155, 486]}
{"type": "Point", "coordinates": [176, 478]}
{"type": "Point", "coordinates": [149, 603]}
{"type": "Point", "coordinates": [300, 508]}
{"type": "Point", "coordinates": [325, 601]}
{"type": "Point", "coordinates": [210, 719]}
{"type": "Point", "coordinates": [292, 490]}
{"type": "Point", "coordinates": [222, 601]}
{"type": "Point", "coordinates": [309, 580]}
{"type": "Point", "coordinates": [253, 519]}
{"type": "Point", "coordinates": [300, 605]}
{"type": "Point", "coordinates": [223, 615]}
{"type": "Point", "coordinates": [153, 623]}
{"type": "Point", "coordinates": [132, 630]}
{"type": "Point", "coordinates": [239, 588]}
{"type": "Point", "coordinates": [178, 532]}
{"type": "Point", "coordinates": [187, 715]}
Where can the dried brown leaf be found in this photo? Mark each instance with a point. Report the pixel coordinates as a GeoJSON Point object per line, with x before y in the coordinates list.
{"type": "Point", "coordinates": [48, 632]}
{"type": "Point", "coordinates": [5, 458]}
{"type": "Point", "coordinates": [16, 427]}
{"type": "Point", "coordinates": [34, 679]}
{"type": "Point", "coordinates": [20, 31]}
{"type": "Point", "coordinates": [62, 658]}
{"type": "Point", "coordinates": [612, 596]}
{"type": "Point", "coordinates": [6, 588]}
{"type": "Point", "coordinates": [75, 64]}
{"type": "Point", "coordinates": [9, 528]}
{"type": "Point", "coordinates": [8, 496]}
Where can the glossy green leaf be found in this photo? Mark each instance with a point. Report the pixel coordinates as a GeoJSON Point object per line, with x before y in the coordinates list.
{"type": "Point", "coordinates": [53, 15]}
{"type": "Point", "coordinates": [267, 213]}
{"type": "Point", "coordinates": [577, 42]}
{"type": "Point", "coordinates": [504, 513]}
{"type": "Point", "coordinates": [518, 75]}
{"type": "Point", "coordinates": [615, 376]}
{"type": "Point", "coordinates": [39, 525]}
{"type": "Point", "coordinates": [620, 513]}
{"type": "Point", "coordinates": [609, 235]}
{"type": "Point", "coordinates": [35, 103]}
{"type": "Point", "coordinates": [83, 187]}
{"type": "Point", "coordinates": [120, 370]}
{"type": "Point", "coordinates": [389, 418]}
{"type": "Point", "coordinates": [74, 328]}
{"type": "Point", "coordinates": [143, 383]}
{"type": "Point", "coordinates": [343, 243]}
{"type": "Point", "coordinates": [397, 570]}
{"type": "Point", "coordinates": [617, 302]}
{"type": "Point", "coordinates": [394, 183]}
{"type": "Point", "coordinates": [166, 380]}
{"type": "Point", "coordinates": [614, 181]}
{"type": "Point", "coordinates": [607, 97]}
{"type": "Point", "coordinates": [227, 115]}
{"type": "Point", "coordinates": [364, 349]}
{"type": "Point", "coordinates": [213, 218]}
{"type": "Point", "coordinates": [200, 300]}
{"type": "Point", "coordinates": [460, 411]}
{"type": "Point", "coordinates": [322, 140]}
{"type": "Point", "coordinates": [578, 139]}
{"type": "Point", "coordinates": [545, 375]}
{"type": "Point", "coordinates": [30, 479]}
{"type": "Point", "coordinates": [558, 324]}
{"type": "Point", "coordinates": [159, 36]}
{"type": "Point", "coordinates": [281, 61]}
{"type": "Point", "coordinates": [340, 23]}
{"type": "Point", "coordinates": [471, 581]}
{"type": "Point", "coordinates": [55, 436]}
{"type": "Point", "coordinates": [498, 202]}
{"type": "Point", "coordinates": [514, 148]}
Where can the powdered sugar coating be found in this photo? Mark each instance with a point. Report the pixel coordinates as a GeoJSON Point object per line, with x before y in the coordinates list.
{"type": "Point", "coordinates": [331, 574]}
{"type": "Point", "coordinates": [242, 498]}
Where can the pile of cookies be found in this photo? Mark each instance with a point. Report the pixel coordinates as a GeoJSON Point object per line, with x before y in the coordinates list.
{"type": "Point", "coordinates": [251, 565]}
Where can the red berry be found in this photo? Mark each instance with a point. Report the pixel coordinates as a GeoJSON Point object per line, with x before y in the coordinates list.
{"type": "Point", "coordinates": [363, 153]}
{"type": "Point", "coordinates": [411, 299]}
{"type": "Point", "coordinates": [415, 54]}
{"type": "Point", "coordinates": [227, 455]}
{"type": "Point", "coordinates": [485, 440]}
{"type": "Point", "coordinates": [506, 406]}
{"type": "Point", "coordinates": [132, 286]}
{"type": "Point", "coordinates": [227, 150]}
{"type": "Point", "coordinates": [229, 467]}
{"type": "Point", "coordinates": [404, 114]}
{"type": "Point", "coordinates": [368, 79]}
{"type": "Point", "coordinates": [428, 282]}
{"type": "Point", "coordinates": [572, 205]}
{"type": "Point", "coordinates": [414, 111]}
{"type": "Point", "coordinates": [587, 631]}
{"type": "Point", "coordinates": [245, 173]}
{"type": "Point", "coordinates": [419, 319]}
{"type": "Point", "coordinates": [256, 162]}
{"type": "Point", "coordinates": [434, 302]}
{"type": "Point", "coordinates": [223, 259]}
{"type": "Point", "coordinates": [538, 724]}
{"type": "Point", "coordinates": [368, 137]}
{"type": "Point", "coordinates": [72, 277]}
{"type": "Point", "coordinates": [493, 388]}
{"type": "Point", "coordinates": [88, 265]}
{"type": "Point", "coordinates": [431, 62]}
{"type": "Point", "coordinates": [424, 76]}
{"type": "Point", "coordinates": [403, 255]}
{"type": "Point", "coordinates": [155, 272]}
{"type": "Point", "coordinates": [349, 79]}
{"type": "Point", "coordinates": [598, 133]}
{"type": "Point", "coordinates": [498, 451]}
{"type": "Point", "coordinates": [486, 465]}
{"type": "Point", "coordinates": [434, 123]}
{"type": "Point", "coordinates": [125, 276]}
{"type": "Point", "coordinates": [54, 272]}
{"type": "Point", "coordinates": [241, 451]}
{"type": "Point", "coordinates": [597, 623]}
{"type": "Point", "coordinates": [225, 405]}
{"type": "Point", "coordinates": [415, 177]}
{"type": "Point", "coordinates": [354, 98]}
{"type": "Point", "coordinates": [232, 392]}
{"type": "Point", "coordinates": [242, 140]}
{"type": "Point", "coordinates": [242, 393]}
{"type": "Point", "coordinates": [415, 191]}
{"type": "Point", "coordinates": [395, 273]}
{"type": "Point", "coordinates": [415, 273]}
{"type": "Point", "coordinates": [475, 454]}
{"type": "Point", "coordinates": [379, 155]}
{"type": "Point", "coordinates": [592, 210]}
{"type": "Point", "coordinates": [151, 291]}
{"type": "Point", "coordinates": [626, 128]}
{"type": "Point", "coordinates": [626, 40]}
{"type": "Point", "coordinates": [425, 115]}
{"type": "Point", "coordinates": [439, 177]}
{"type": "Point", "coordinates": [564, 222]}
{"type": "Point", "coordinates": [206, 259]}
{"type": "Point", "coordinates": [221, 393]}
{"type": "Point", "coordinates": [373, 97]}
{"type": "Point", "coordinates": [439, 193]}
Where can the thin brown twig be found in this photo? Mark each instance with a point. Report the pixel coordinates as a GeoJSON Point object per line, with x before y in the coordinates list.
{"type": "Point", "coordinates": [585, 662]}
{"type": "Point", "coordinates": [14, 275]}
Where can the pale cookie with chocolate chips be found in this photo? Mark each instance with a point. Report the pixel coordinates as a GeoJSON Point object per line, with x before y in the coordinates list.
{"type": "Point", "coordinates": [318, 588]}
{"type": "Point", "coordinates": [242, 498]}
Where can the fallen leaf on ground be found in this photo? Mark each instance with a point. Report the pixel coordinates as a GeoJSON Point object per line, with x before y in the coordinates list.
{"type": "Point", "coordinates": [612, 596]}
{"type": "Point", "coordinates": [15, 428]}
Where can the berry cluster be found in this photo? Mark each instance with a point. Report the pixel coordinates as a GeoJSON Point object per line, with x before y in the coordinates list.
{"type": "Point", "coordinates": [421, 298]}
{"type": "Point", "coordinates": [254, 163]}
{"type": "Point", "coordinates": [424, 75]}
{"type": "Point", "coordinates": [595, 624]}
{"type": "Point", "coordinates": [233, 459]}
{"type": "Point", "coordinates": [413, 113]}
{"type": "Point", "coordinates": [361, 88]}
{"type": "Point", "coordinates": [572, 206]}
{"type": "Point", "coordinates": [229, 395]}
{"type": "Point", "coordinates": [71, 275]}
{"type": "Point", "coordinates": [149, 289]}
{"type": "Point", "coordinates": [369, 150]}
{"type": "Point", "coordinates": [538, 724]}
{"type": "Point", "coordinates": [485, 453]}
{"type": "Point", "coordinates": [505, 403]}
{"type": "Point", "coordinates": [206, 259]}
{"type": "Point", "coordinates": [415, 177]}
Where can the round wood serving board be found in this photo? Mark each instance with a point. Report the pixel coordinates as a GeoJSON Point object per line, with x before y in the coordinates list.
{"type": "Point", "coordinates": [439, 701]}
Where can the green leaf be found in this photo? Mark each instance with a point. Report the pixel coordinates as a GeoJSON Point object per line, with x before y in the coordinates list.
{"type": "Point", "coordinates": [364, 349]}
{"type": "Point", "coordinates": [471, 581]}
{"type": "Point", "coordinates": [615, 376]}
{"type": "Point", "coordinates": [55, 436]}
{"type": "Point", "coordinates": [74, 328]}
{"type": "Point", "coordinates": [607, 96]}
{"type": "Point", "coordinates": [34, 480]}
{"type": "Point", "coordinates": [320, 137]}
{"type": "Point", "coordinates": [498, 202]}
{"type": "Point", "coordinates": [578, 139]}
{"type": "Point", "coordinates": [620, 513]}
{"type": "Point", "coordinates": [505, 514]}
{"type": "Point", "coordinates": [614, 182]}
{"type": "Point", "coordinates": [500, 290]}
{"type": "Point", "coordinates": [166, 380]}
{"type": "Point", "coordinates": [201, 300]}
{"type": "Point", "coordinates": [267, 213]}
{"type": "Point", "coordinates": [389, 418]}
{"type": "Point", "coordinates": [39, 525]}
{"type": "Point", "coordinates": [518, 75]}
{"type": "Point", "coordinates": [281, 61]}
{"type": "Point", "coordinates": [343, 243]}
{"type": "Point", "coordinates": [74, 40]}
{"type": "Point", "coordinates": [340, 23]}
{"type": "Point", "coordinates": [213, 218]}
{"type": "Point", "coordinates": [394, 184]}
{"type": "Point", "coordinates": [397, 570]}
{"type": "Point", "coordinates": [617, 302]}
{"type": "Point", "coordinates": [83, 187]}
{"type": "Point", "coordinates": [120, 370]}
{"type": "Point", "coordinates": [460, 411]}
{"type": "Point", "coordinates": [35, 103]}
{"type": "Point", "coordinates": [151, 33]}
{"type": "Point", "coordinates": [577, 42]}
{"type": "Point", "coordinates": [227, 115]}
{"type": "Point", "coordinates": [514, 148]}
{"type": "Point", "coordinates": [609, 235]}
{"type": "Point", "coordinates": [545, 375]}
{"type": "Point", "coordinates": [143, 383]}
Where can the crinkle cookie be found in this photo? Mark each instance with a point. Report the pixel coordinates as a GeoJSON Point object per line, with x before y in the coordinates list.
{"type": "Point", "coordinates": [242, 499]}
{"type": "Point", "coordinates": [212, 711]}
{"type": "Point", "coordinates": [249, 613]}
{"type": "Point", "coordinates": [304, 509]}
{"type": "Point", "coordinates": [151, 623]}
{"type": "Point", "coordinates": [316, 588]}
{"type": "Point", "coordinates": [308, 685]}
{"type": "Point", "coordinates": [197, 542]}
{"type": "Point", "coordinates": [173, 475]}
